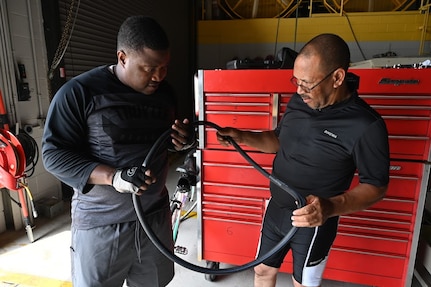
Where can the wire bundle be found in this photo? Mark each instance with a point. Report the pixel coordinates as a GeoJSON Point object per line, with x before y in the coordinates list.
{"type": "Point", "coordinates": [31, 151]}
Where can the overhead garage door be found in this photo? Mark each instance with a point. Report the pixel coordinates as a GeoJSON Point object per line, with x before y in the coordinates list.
{"type": "Point", "coordinates": [95, 25]}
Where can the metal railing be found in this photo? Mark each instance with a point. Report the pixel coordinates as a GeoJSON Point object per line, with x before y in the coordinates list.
{"type": "Point", "coordinates": [425, 9]}
{"type": "Point", "coordinates": [249, 9]}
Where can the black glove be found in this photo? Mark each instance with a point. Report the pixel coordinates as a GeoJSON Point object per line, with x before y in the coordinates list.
{"type": "Point", "coordinates": [128, 180]}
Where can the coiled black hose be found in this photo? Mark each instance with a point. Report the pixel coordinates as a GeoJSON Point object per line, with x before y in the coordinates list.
{"type": "Point", "coordinates": [31, 151]}
{"type": "Point", "coordinates": [300, 202]}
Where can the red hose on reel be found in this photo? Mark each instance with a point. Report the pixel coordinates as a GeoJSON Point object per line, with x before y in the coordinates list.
{"type": "Point", "coordinates": [12, 166]}
{"type": "Point", "coordinates": [12, 160]}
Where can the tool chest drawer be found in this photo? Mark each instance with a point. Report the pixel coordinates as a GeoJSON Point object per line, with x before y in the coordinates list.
{"type": "Point", "coordinates": [405, 181]}
{"type": "Point", "coordinates": [239, 174]}
{"type": "Point", "coordinates": [408, 125]}
{"type": "Point", "coordinates": [211, 142]}
{"type": "Point", "coordinates": [370, 243]}
{"type": "Point", "coordinates": [239, 110]}
{"type": "Point", "coordinates": [233, 208]}
{"type": "Point", "coordinates": [390, 222]}
{"type": "Point", "coordinates": [408, 122]}
{"type": "Point", "coordinates": [375, 269]}
{"type": "Point", "coordinates": [409, 147]}
{"type": "Point", "coordinates": [235, 242]}
{"type": "Point", "coordinates": [246, 191]}
{"type": "Point", "coordinates": [233, 204]}
{"type": "Point", "coordinates": [229, 167]}
{"type": "Point", "coordinates": [372, 239]}
{"type": "Point", "coordinates": [367, 263]}
{"type": "Point", "coordinates": [228, 218]}
{"type": "Point", "coordinates": [243, 111]}
{"type": "Point", "coordinates": [222, 102]}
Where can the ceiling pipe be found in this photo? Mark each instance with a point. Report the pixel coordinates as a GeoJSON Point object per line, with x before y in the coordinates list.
{"type": "Point", "coordinates": [35, 65]}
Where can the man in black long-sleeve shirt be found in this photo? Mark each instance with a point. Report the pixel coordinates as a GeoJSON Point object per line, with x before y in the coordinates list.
{"type": "Point", "coordinates": [99, 128]}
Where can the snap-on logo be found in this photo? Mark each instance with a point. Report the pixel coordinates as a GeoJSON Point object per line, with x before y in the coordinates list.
{"type": "Point", "coordinates": [397, 82]}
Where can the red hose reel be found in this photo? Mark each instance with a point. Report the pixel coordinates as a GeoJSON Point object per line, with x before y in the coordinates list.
{"type": "Point", "coordinates": [12, 168]}
{"type": "Point", "coordinates": [12, 161]}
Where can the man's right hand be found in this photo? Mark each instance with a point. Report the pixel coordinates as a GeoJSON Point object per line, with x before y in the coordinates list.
{"type": "Point", "coordinates": [225, 135]}
{"type": "Point", "coordinates": [131, 179]}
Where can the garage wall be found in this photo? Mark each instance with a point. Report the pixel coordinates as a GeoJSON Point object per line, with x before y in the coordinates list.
{"type": "Point", "coordinates": [22, 41]}
{"type": "Point", "coordinates": [93, 41]}
{"type": "Point", "coordinates": [367, 34]}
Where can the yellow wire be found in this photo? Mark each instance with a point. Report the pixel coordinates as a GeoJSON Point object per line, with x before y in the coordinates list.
{"type": "Point", "coordinates": [27, 190]}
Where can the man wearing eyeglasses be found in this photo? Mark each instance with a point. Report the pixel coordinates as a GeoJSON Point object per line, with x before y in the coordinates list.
{"type": "Point", "coordinates": [326, 134]}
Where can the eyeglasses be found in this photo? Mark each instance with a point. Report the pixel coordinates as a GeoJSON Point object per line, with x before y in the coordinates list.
{"type": "Point", "coordinates": [295, 81]}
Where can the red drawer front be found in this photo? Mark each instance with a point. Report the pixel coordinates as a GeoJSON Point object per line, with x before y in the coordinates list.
{"type": "Point", "coordinates": [247, 81]}
{"type": "Point", "coordinates": [372, 81]}
{"type": "Point", "coordinates": [393, 81]}
{"type": "Point", "coordinates": [235, 189]}
{"type": "Point", "coordinates": [243, 111]}
{"type": "Point", "coordinates": [407, 169]}
{"type": "Point", "coordinates": [400, 205]}
{"type": "Point", "coordinates": [229, 167]}
{"type": "Point", "coordinates": [405, 179]}
{"type": "Point", "coordinates": [212, 143]}
{"type": "Point", "coordinates": [382, 270]}
{"type": "Point", "coordinates": [233, 157]}
{"type": "Point", "coordinates": [235, 101]}
{"type": "Point", "coordinates": [233, 208]}
{"type": "Point", "coordinates": [244, 175]}
{"type": "Point", "coordinates": [403, 188]}
{"type": "Point", "coordinates": [366, 219]}
{"type": "Point", "coordinates": [403, 111]}
{"type": "Point", "coordinates": [407, 126]}
{"type": "Point", "coordinates": [409, 148]}
{"type": "Point", "coordinates": [244, 120]}
{"type": "Point", "coordinates": [231, 222]}
{"type": "Point", "coordinates": [224, 239]}
{"type": "Point", "coordinates": [390, 246]}
{"type": "Point", "coordinates": [369, 230]}
{"type": "Point", "coordinates": [404, 101]}
{"type": "Point", "coordinates": [408, 121]}
{"type": "Point", "coordinates": [239, 110]}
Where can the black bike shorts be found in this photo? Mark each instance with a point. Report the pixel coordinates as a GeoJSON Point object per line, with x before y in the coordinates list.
{"type": "Point", "coordinates": [310, 246]}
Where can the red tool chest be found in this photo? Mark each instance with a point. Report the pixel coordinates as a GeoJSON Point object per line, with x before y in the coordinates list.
{"type": "Point", "coordinates": [374, 247]}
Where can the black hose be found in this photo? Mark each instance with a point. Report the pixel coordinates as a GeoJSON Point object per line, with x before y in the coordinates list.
{"type": "Point", "coordinates": [300, 202]}
{"type": "Point", "coordinates": [31, 151]}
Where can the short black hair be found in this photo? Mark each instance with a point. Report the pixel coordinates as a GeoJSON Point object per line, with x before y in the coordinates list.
{"type": "Point", "coordinates": [138, 32]}
{"type": "Point", "coordinates": [330, 48]}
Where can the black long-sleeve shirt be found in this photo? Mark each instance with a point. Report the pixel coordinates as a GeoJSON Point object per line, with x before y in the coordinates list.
{"type": "Point", "coordinates": [95, 119]}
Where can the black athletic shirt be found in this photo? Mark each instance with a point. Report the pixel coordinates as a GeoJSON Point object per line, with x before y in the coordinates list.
{"type": "Point", "coordinates": [320, 150]}
{"type": "Point", "coordinates": [94, 119]}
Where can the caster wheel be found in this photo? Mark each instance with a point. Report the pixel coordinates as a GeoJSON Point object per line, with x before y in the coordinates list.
{"type": "Point", "coordinates": [212, 265]}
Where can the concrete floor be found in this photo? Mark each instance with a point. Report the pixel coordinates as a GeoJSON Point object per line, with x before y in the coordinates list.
{"type": "Point", "coordinates": [45, 262]}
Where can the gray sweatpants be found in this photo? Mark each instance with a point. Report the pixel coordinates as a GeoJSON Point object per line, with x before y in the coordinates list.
{"type": "Point", "coordinates": [106, 256]}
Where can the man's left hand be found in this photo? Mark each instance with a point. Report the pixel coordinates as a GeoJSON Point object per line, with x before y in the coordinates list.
{"type": "Point", "coordinates": [315, 213]}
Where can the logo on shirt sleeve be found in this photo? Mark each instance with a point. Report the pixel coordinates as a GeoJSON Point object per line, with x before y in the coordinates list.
{"type": "Point", "coordinates": [331, 134]}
